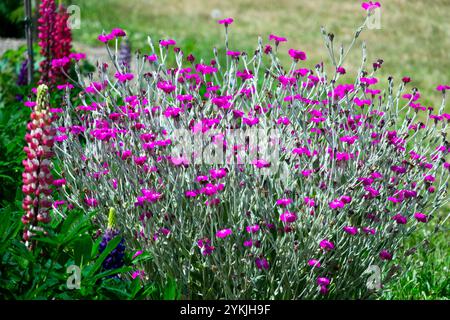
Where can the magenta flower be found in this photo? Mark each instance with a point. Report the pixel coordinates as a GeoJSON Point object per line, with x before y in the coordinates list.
{"type": "Point", "coordinates": [202, 179]}
{"type": "Point", "coordinates": [314, 263]}
{"type": "Point", "coordinates": [211, 189]}
{"type": "Point", "coordinates": [205, 246]}
{"type": "Point", "coordinates": [152, 58]}
{"type": "Point", "coordinates": [59, 182]}
{"type": "Point", "coordinates": [117, 32]}
{"type": "Point", "coordinates": [260, 163]}
{"type": "Point", "coordinates": [335, 204]}
{"type": "Point", "coordinates": [226, 21]}
{"type": "Point", "coordinates": [368, 81]}
{"type": "Point", "coordinates": [63, 87]}
{"type": "Point", "coordinates": [385, 255]}
{"type": "Point", "coordinates": [400, 219]}
{"type": "Point", "coordinates": [369, 231]}
{"type": "Point", "coordinates": [297, 54]}
{"type": "Point", "coordinates": [277, 39]}
{"type": "Point", "coordinates": [138, 253]}
{"type": "Point", "coordinates": [346, 199]}
{"type": "Point", "coordinates": [261, 263]}
{"type": "Point", "coordinates": [29, 104]}
{"type": "Point", "coordinates": [167, 43]}
{"type": "Point", "coordinates": [442, 87]}
{"type": "Point", "coordinates": [218, 173]}
{"type": "Point", "coordinates": [323, 281]}
{"type": "Point", "coordinates": [140, 160]}
{"type": "Point", "coordinates": [323, 290]}
{"type": "Point", "coordinates": [105, 38]}
{"type": "Point", "coordinates": [150, 196]}
{"type": "Point", "coordinates": [190, 194]}
{"type": "Point", "coordinates": [60, 63]}
{"type": "Point", "coordinates": [370, 5]}
{"type": "Point", "coordinates": [419, 216]}
{"type": "Point", "coordinates": [351, 230]}
{"type": "Point", "coordinates": [234, 54]}
{"type": "Point", "coordinates": [91, 202]}
{"type": "Point", "coordinates": [253, 228]}
{"type": "Point", "coordinates": [327, 245]}
{"type": "Point", "coordinates": [284, 202]}
{"type": "Point", "coordinates": [77, 56]}
{"type": "Point", "coordinates": [123, 77]}
{"type": "Point", "coordinates": [310, 202]}
{"type": "Point", "coordinates": [250, 121]}
{"type": "Point", "coordinates": [223, 233]}
{"type": "Point", "coordinates": [406, 80]}
{"type": "Point", "coordinates": [340, 70]}
{"type": "Point", "coordinates": [248, 243]}
{"type": "Point", "coordinates": [138, 273]}
{"type": "Point", "coordinates": [166, 86]}
{"type": "Point", "coordinates": [288, 217]}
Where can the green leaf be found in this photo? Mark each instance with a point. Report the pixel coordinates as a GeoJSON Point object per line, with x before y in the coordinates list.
{"type": "Point", "coordinates": [170, 291]}
{"type": "Point", "coordinates": [82, 250]}
{"type": "Point", "coordinates": [110, 247]}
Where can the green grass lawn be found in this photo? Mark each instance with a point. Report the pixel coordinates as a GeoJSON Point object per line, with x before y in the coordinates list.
{"type": "Point", "coordinates": [414, 40]}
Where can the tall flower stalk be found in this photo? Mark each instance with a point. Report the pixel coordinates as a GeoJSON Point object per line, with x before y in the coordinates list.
{"type": "Point", "coordinates": [37, 176]}
{"type": "Point", "coordinates": [55, 41]}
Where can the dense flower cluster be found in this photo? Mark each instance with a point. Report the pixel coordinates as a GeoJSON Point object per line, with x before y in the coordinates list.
{"type": "Point", "coordinates": [55, 40]}
{"type": "Point", "coordinates": [37, 176]}
{"type": "Point", "coordinates": [333, 188]}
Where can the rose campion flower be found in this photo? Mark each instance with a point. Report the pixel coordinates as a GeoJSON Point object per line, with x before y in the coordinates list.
{"type": "Point", "coordinates": [351, 230]}
{"type": "Point", "coordinates": [385, 255]}
{"type": "Point", "coordinates": [336, 204]}
{"type": "Point", "coordinates": [297, 54]}
{"type": "Point", "coordinates": [314, 263]}
{"type": "Point", "coordinates": [234, 54]}
{"type": "Point", "coordinates": [284, 202]}
{"type": "Point", "coordinates": [248, 243]}
{"type": "Point", "coordinates": [323, 290]}
{"type": "Point", "coordinates": [138, 273]}
{"type": "Point", "coordinates": [167, 43]}
{"type": "Point", "coordinates": [400, 219]}
{"type": "Point", "coordinates": [277, 39]}
{"type": "Point", "coordinates": [252, 229]}
{"type": "Point", "coordinates": [222, 234]}
{"type": "Point", "coordinates": [205, 246]}
{"type": "Point", "coordinates": [327, 245]}
{"type": "Point", "coordinates": [370, 5]}
{"type": "Point", "coordinates": [288, 217]}
{"type": "Point", "coordinates": [261, 263]}
{"type": "Point", "coordinates": [310, 202]}
{"type": "Point", "coordinates": [419, 216]}
{"type": "Point", "coordinates": [260, 163]}
{"type": "Point", "coordinates": [138, 253]}
{"type": "Point", "coordinates": [323, 281]}
{"type": "Point", "coordinates": [226, 21]}
{"type": "Point", "coordinates": [152, 58]}
{"type": "Point", "coordinates": [123, 77]}
{"type": "Point", "coordinates": [91, 202]}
